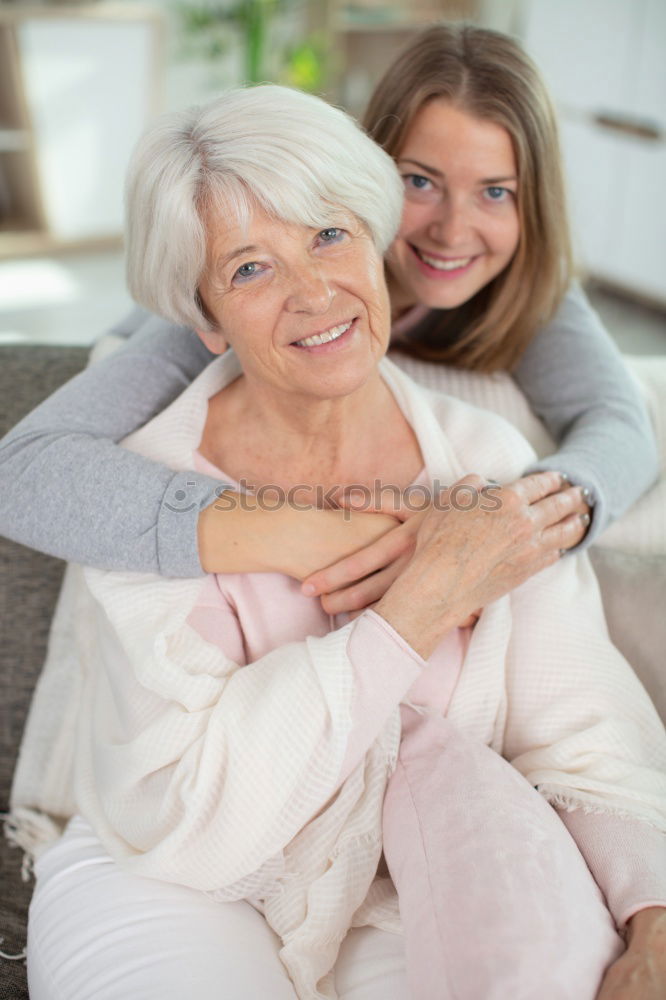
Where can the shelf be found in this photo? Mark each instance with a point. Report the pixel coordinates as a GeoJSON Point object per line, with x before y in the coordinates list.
{"type": "Point", "coordinates": [367, 39]}
{"type": "Point", "coordinates": [14, 140]}
{"type": "Point", "coordinates": [18, 242]}
{"type": "Point", "coordinates": [77, 86]}
{"type": "Point", "coordinates": [377, 20]}
{"type": "Point", "coordinates": [347, 27]}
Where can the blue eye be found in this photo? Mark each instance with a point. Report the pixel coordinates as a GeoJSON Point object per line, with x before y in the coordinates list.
{"type": "Point", "coordinates": [331, 235]}
{"type": "Point", "coordinates": [246, 271]}
{"type": "Point", "coordinates": [497, 193]}
{"type": "Point", "coordinates": [417, 181]}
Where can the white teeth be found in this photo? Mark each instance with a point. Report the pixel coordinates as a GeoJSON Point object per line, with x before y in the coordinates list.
{"type": "Point", "coordinates": [324, 338]}
{"type": "Point", "coordinates": [444, 265]}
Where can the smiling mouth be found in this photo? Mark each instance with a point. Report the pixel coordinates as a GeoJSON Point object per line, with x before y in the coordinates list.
{"type": "Point", "coordinates": [452, 264]}
{"type": "Point", "coordinates": [326, 337]}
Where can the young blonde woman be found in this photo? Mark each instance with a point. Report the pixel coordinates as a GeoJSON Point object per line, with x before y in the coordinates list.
{"type": "Point", "coordinates": [479, 277]}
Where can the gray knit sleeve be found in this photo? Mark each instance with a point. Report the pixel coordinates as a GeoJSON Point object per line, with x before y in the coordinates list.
{"type": "Point", "coordinates": [575, 380]}
{"type": "Point", "coordinates": [69, 490]}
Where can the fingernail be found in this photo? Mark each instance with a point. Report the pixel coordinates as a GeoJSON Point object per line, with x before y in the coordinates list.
{"type": "Point", "coordinates": [585, 493]}
{"type": "Point", "coordinates": [585, 518]}
{"type": "Point", "coordinates": [565, 479]}
{"type": "Point", "coordinates": [308, 590]}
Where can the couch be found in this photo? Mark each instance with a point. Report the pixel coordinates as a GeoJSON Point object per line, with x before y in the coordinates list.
{"type": "Point", "coordinates": [633, 589]}
{"type": "Point", "coordinates": [29, 584]}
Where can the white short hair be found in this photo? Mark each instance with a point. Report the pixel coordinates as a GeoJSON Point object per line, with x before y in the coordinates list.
{"type": "Point", "coordinates": [296, 156]}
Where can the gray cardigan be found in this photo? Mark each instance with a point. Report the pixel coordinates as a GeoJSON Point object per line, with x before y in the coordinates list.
{"type": "Point", "coordinates": [61, 469]}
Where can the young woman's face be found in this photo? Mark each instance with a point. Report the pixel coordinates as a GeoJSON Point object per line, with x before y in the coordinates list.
{"type": "Point", "coordinates": [460, 225]}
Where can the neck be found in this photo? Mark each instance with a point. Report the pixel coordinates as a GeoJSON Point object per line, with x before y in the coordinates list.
{"type": "Point", "coordinates": [286, 436]}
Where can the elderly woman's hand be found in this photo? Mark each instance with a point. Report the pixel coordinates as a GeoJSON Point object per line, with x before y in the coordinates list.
{"type": "Point", "coordinates": [471, 552]}
{"type": "Point", "coordinates": [539, 516]}
{"type": "Point", "coordinates": [640, 973]}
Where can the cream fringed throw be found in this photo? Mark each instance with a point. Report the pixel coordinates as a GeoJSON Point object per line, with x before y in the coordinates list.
{"type": "Point", "coordinates": [168, 750]}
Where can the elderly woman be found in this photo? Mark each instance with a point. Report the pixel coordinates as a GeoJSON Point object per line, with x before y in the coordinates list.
{"type": "Point", "coordinates": [235, 743]}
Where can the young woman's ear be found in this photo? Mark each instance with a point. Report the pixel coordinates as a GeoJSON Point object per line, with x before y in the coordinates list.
{"type": "Point", "coordinates": [214, 340]}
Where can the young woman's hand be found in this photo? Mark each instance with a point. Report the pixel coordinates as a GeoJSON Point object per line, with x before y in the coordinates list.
{"type": "Point", "coordinates": [640, 973]}
{"type": "Point", "coordinates": [539, 516]}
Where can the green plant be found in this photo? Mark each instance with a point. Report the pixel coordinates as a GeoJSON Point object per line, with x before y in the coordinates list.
{"type": "Point", "coordinates": [210, 29]}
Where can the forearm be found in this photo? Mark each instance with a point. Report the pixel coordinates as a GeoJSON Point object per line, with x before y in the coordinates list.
{"type": "Point", "coordinates": [69, 507]}
{"type": "Point", "coordinates": [640, 972]}
{"type": "Point", "coordinates": [575, 379]}
{"type": "Point", "coordinates": [236, 534]}
{"type": "Point", "coordinates": [646, 930]}
{"type": "Point", "coordinates": [614, 458]}
{"type": "Point", "coordinates": [626, 857]}
{"type": "Point", "coordinates": [60, 467]}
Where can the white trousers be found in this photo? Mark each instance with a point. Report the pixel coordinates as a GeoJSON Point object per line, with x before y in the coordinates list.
{"type": "Point", "coordinates": [96, 932]}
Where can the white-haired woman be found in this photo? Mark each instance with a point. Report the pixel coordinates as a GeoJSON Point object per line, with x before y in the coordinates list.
{"type": "Point", "coordinates": [235, 742]}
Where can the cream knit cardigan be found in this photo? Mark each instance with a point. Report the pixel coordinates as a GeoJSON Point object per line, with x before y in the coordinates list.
{"type": "Point", "coordinates": [176, 749]}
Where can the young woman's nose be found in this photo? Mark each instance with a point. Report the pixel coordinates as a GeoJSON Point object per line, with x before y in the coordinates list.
{"type": "Point", "coordinates": [449, 225]}
{"type": "Point", "coordinates": [309, 292]}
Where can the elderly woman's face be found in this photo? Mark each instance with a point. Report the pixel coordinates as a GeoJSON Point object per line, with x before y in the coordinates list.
{"type": "Point", "coordinates": [306, 310]}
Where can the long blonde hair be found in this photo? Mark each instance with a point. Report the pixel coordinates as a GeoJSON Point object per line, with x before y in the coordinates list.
{"type": "Point", "coordinates": [488, 75]}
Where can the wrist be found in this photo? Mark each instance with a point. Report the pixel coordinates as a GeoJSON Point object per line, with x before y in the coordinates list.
{"type": "Point", "coordinates": [647, 929]}
{"type": "Point", "coordinates": [228, 531]}
{"type": "Point", "coordinates": [415, 621]}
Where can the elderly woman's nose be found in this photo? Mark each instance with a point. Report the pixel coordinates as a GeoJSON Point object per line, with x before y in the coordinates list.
{"type": "Point", "coordinates": [309, 292]}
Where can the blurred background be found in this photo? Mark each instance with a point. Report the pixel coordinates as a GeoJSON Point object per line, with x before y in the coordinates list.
{"type": "Point", "coordinates": [78, 82]}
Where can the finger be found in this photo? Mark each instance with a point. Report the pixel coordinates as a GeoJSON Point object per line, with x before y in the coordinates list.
{"type": "Point", "coordinates": [538, 485]}
{"type": "Point", "coordinates": [389, 500]}
{"type": "Point", "coordinates": [566, 533]}
{"type": "Point", "coordinates": [360, 564]}
{"type": "Point", "coordinates": [557, 506]}
{"type": "Point", "coordinates": [584, 504]}
{"type": "Point", "coordinates": [473, 481]}
{"type": "Point", "coordinates": [393, 507]}
{"type": "Point", "coordinates": [365, 592]}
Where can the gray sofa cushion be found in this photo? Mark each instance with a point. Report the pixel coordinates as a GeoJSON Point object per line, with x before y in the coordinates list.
{"type": "Point", "coordinates": [29, 585]}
